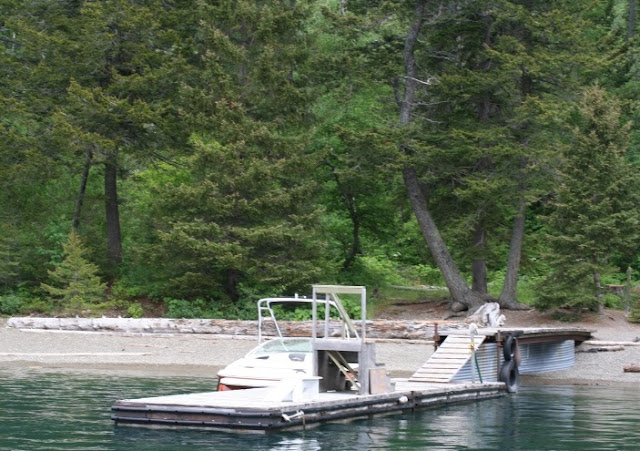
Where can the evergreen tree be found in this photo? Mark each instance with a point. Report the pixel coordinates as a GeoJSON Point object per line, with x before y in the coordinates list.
{"type": "Point", "coordinates": [9, 265]}
{"type": "Point", "coordinates": [33, 176]}
{"type": "Point", "coordinates": [238, 216]}
{"type": "Point", "coordinates": [596, 205]}
{"type": "Point", "coordinates": [634, 314]}
{"type": "Point", "coordinates": [475, 84]}
{"type": "Point", "coordinates": [75, 283]}
{"type": "Point", "coordinates": [88, 85]}
{"type": "Point", "coordinates": [494, 62]}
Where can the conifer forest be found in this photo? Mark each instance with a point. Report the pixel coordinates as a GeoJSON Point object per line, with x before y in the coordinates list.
{"type": "Point", "coordinates": [197, 155]}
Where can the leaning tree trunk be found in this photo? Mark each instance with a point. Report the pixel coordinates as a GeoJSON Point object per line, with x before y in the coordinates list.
{"type": "Point", "coordinates": [458, 287]}
{"type": "Point", "coordinates": [114, 240]}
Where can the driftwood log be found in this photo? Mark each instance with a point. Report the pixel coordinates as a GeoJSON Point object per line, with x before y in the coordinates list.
{"type": "Point", "coordinates": [632, 369]}
{"type": "Point", "coordinates": [603, 349]}
{"type": "Point", "coordinates": [488, 315]}
{"type": "Point", "coordinates": [610, 343]}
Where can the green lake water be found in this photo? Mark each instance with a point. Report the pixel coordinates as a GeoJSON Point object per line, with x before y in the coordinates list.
{"type": "Point", "coordinates": [54, 410]}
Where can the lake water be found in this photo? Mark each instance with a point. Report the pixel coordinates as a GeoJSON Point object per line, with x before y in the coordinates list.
{"type": "Point", "coordinates": [50, 410]}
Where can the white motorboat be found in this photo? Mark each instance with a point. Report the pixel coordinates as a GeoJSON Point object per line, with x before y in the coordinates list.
{"type": "Point", "coordinates": [277, 358]}
{"type": "Point", "coordinates": [267, 364]}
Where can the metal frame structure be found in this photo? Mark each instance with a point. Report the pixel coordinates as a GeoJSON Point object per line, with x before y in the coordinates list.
{"type": "Point", "coordinates": [265, 305]}
{"type": "Point", "coordinates": [331, 295]}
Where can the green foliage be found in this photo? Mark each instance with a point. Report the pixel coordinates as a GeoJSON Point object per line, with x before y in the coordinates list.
{"type": "Point", "coordinates": [353, 306]}
{"type": "Point", "coordinates": [237, 212]}
{"type": "Point", "coordinates": [256, 148]}
{"type": "Point", "coordinates": [296, 314]}
{"type": "Point", "coordinates": [571, 316]}
{"type": "Point", "coordinates": [388, 295]}
{"type": "Point", "coordinates": [76, 285]}
{"type": "Point", "coordinates": [38, 306]}
{"type": "Point", "coordinates": [611, 300]}
{"type": "Point", "coordinates": [527, 289]}
{"type": "Point", "coordinates": [424, 275]}
{"type": "Point", "coordinates": [372, 271]}
{"type": "Point", "coordinates": [10, 304]}
{"type": "Point", "coordinates": [135, 310]}
{"type": "Point", "coordinates": [180, 308]}
{"type": "Point", "coordinates": [9, 264]}
{"type": "Point", "coordinates": [200, 308]}
{"type": "Point", "coordinates": [568, 287]}
{"type": "Point", "coordinates": [596, 205]}
{"type": "Point", "coordinates": [634, 314]}
{"type": "Point", "coordinates": [241, 223]}
{"type": "Point", "coordinates": [528, 286]}
{"type": "Point", "coordinates": [305, 313]}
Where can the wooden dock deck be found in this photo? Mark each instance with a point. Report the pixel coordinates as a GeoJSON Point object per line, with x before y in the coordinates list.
{"type": "Point", "coordinates": [444, 379]}
{"type": "Point", "coordinates": [524, 334]}
{"type": "Point", "coordinates": [249, 411]}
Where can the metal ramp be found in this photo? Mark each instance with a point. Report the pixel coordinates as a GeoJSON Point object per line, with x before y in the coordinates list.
{"type": "Point", "coordinates": [448, 359]}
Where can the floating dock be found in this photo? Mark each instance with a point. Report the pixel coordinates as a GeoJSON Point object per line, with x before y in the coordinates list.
{"type": "Point", "coordinates": [451, 376]}
{"type": "Point", "coordinates": [251, 410]}
{"type": "Point", "coordinates": [469, 364]}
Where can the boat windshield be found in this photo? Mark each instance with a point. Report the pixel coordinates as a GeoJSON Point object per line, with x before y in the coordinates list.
{"type": "Point", "coordinates": [284, 345]}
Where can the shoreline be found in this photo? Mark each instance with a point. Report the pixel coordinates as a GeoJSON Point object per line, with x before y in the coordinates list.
{"type": "Point", "coordinates": [202, 355]}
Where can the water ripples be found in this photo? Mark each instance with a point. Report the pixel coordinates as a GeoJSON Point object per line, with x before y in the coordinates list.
{"type": "Point", "coordinates": [51, 410]}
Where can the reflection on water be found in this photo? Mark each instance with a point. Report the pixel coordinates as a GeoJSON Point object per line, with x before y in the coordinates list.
{"type": "Point", "coordinates": [48, 410]}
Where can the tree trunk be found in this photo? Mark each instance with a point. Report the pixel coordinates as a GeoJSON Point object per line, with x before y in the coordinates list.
{"type": "Point", "coordinates": [458, 287]}
{"type": "Point", "coordinates": [478, 266]}
{"type": "Point", "coordinates": [343, 7]}
{"type": "Point", "coordinates": [232, 278]}
{"type": "Point", "coordinates": [114, 240]}
{"type": "Point", "coordinates": [350, 204]}
{"type": "Point", "coordinates": [484, 164]}
{"type": "Point", "coordinates": [355, 243]}
{"type": "Point", "coordinates": [88, 157]}
{"type": "Point", "coordinates": [508, 297]}
{"type": "Point", "coordinates": [598, 283]}
{"type": "Point", "coordinates": [408, 101]}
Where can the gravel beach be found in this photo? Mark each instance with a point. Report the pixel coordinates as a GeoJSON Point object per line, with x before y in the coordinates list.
{"type": "Point", "coordinates": [203, 355]}
{"type": "Point", "coordinates": [160, 353]}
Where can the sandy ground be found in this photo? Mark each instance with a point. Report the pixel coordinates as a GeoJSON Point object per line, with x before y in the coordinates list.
{"type": "Point", "coordinates": [171, 354]}
{"type": "Point", "coordinates": [204, 355]}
